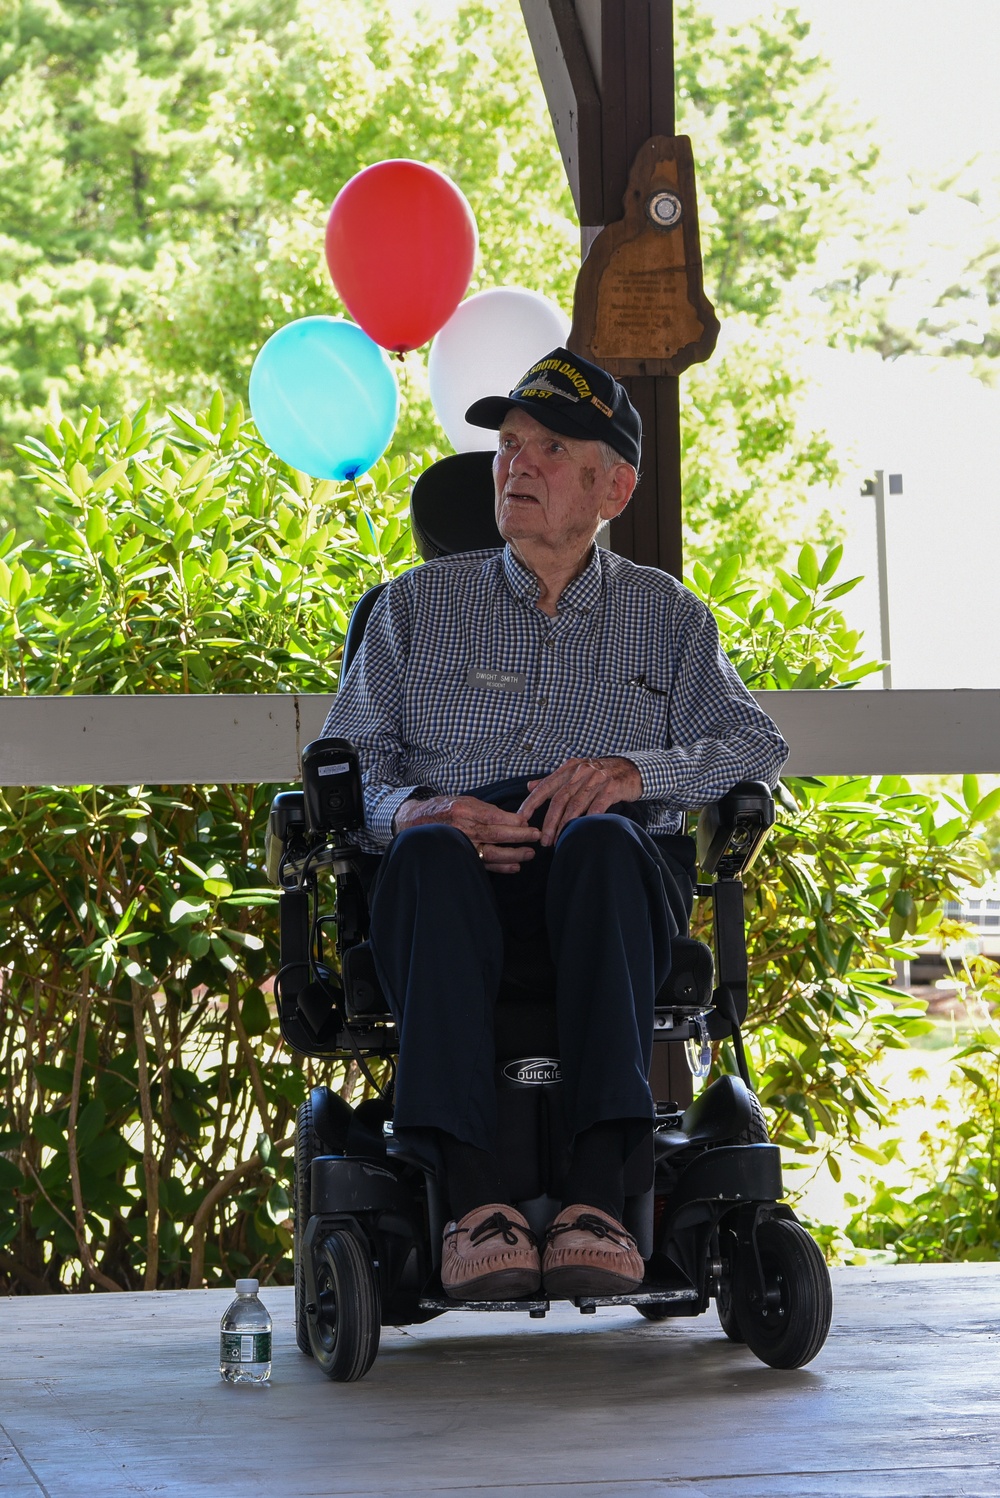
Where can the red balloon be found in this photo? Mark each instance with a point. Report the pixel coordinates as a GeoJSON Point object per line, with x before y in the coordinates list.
{"type": "Point", "coordinates": [401, 244]}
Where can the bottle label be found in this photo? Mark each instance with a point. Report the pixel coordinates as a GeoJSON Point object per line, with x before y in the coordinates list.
{"type": "Point", "coordinates": [246, 1347]}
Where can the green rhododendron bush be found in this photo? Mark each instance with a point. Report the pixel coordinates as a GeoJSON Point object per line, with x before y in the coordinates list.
{"type": "Point", "coordinates": [145, 1104]}
{"type": "Point", "coordinates": [146, 1101]}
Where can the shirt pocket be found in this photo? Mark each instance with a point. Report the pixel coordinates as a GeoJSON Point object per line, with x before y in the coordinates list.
{"type": "Point", "coordinates": [619, 714]}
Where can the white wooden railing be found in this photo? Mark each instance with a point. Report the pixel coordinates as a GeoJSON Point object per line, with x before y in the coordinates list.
{"type": "Point", "coordinates": [191, 740]}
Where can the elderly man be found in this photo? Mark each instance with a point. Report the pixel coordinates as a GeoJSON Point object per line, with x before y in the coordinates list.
{"type": "Point", "coordinates": [599, 685]}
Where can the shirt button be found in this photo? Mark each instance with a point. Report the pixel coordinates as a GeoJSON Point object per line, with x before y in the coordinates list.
{"type": "Point", "coordinates": [541, 701]}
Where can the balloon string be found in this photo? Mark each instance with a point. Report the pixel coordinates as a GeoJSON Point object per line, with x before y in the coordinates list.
{"type": "Point", "coordinates": [371, 526]}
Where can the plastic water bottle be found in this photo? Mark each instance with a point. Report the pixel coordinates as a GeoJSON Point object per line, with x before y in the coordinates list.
{"type": "Point", "coordinates": [245, 1347]}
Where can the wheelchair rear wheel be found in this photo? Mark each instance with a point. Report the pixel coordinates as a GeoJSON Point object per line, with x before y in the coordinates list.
{"type": "Point", "coordinates": [344, 1333]}
{"type": "Point", "coordinates": [756, 1130]}
{"type": "Point", "coordinates": [787, 1325]}
{"type": "Point", "coordinates": [307, 1147]}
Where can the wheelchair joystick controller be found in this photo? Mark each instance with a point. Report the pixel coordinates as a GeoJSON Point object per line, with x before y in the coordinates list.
{"type": "Point", "coordinates": [331, 784]}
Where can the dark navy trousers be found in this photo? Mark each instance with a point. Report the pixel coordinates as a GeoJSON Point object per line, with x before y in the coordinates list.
{"type": "Point", "coordinates": [442, 927]}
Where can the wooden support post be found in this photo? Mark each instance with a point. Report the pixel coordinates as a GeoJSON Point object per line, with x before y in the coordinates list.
{"type": "Point", "coordinates": [607, 67]}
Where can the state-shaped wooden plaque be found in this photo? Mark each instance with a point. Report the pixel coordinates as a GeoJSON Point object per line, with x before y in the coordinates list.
{"type": "Point", "coordinates": [640, 307]}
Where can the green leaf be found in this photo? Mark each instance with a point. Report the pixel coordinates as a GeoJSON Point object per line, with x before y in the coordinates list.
{"type": "Point", "coordinates": [830, 563]}
{"type": "Point", "coordinates": [725, 575]}
{"type": "Point", "coordinates": [842, 588]}
{"type": "Point", "coordinates": [869, 1152]}
{"type": "Point", "coordinates": [365, 531]}
{"type": "Point", "coordinates": [90, 1123]}
{"type": "Point", "coordinates": [79, 480]}
{"type": "Point", "coordinates": [11, 1178]}
{"type": "Point", "coordinates": [988, 806]}
{"type": "Point", "coordinates": [970, 791]}
{"type": "Point", "coordinates": [216, 412]}
{"type": "Point", "coordinates": [188, 910]}
{"type": "Point", "coordinates": [278, 1205]}
{"type": "Point", "coordinates": [809, 566]}
{"type": "Point", "coordinates": [255, 1012]}
{"type": "Point", "coordinates": [218, 565]}
{"type": "Point", "coordinates": [702, 578]}
{"type": "Point", "coordinates": [20, 585]}
{"type": "Point", "coordinates": [790, 584]}
{"type": "Point", "coordinates": [113, 475]}
{"type": "Point", "coordinates": [53, 1078]}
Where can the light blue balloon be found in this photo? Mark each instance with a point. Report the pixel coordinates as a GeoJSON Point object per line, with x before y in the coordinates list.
{"type": "Point", "coordinates": [324, 397]}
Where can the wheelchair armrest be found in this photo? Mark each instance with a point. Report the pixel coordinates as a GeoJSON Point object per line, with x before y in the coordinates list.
{"type": "Point", "coordinates": [732, 831]}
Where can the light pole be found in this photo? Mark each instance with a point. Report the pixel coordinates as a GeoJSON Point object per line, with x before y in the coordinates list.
{"type": "Point", "coordinates": [875, 488]}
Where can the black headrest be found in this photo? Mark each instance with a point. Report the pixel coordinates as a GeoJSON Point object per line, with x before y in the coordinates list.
{"type": "Point", "coordinates": [451, 506]}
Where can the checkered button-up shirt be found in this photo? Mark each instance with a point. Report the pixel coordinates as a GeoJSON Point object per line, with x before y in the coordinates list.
{"type": "Point", "coordinates": [461, 680]}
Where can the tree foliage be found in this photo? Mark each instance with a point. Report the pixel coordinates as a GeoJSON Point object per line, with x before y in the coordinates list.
{"type": "Point", "coordinates": [170, 168]}
{"type": "Point", "coordinates": [949, 1210]}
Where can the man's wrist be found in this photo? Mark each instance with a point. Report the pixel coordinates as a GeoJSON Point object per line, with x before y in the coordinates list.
{"type": "Point", "coordinates": [418, 793]}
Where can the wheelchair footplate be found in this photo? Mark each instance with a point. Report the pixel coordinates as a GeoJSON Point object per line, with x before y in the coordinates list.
{"type": "Point", "coordinates": [679, 1295]}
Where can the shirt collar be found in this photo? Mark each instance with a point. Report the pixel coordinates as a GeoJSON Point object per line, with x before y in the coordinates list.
{"type": "Point", "coordinates": [581, 595]}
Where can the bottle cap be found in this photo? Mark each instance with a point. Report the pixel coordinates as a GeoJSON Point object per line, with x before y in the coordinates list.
{"type": "Point", "coordinates": [247, 1287]}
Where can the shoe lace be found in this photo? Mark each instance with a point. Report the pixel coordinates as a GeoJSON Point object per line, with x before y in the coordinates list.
{"type": "Point", "coordinates": [589, 1222]}
{"type": "Point", "coordinates": [498, 1225]}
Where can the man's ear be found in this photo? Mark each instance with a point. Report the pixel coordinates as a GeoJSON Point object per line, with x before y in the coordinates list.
{"type": "Point", "coordinates": [623, 479]}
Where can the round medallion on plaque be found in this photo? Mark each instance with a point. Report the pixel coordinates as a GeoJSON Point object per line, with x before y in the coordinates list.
{"type": "Point", "coordinates": [664, 209]}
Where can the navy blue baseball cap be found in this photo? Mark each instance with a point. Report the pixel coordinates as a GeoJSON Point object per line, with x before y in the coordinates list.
{"type": "Point", "coordinates": [570, 395]}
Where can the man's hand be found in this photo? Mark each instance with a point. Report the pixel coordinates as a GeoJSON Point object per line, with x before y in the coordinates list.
{"type": "Point", "coordinates": [501, 838]}
{"type": "Point", "coordinates": [579, 788]}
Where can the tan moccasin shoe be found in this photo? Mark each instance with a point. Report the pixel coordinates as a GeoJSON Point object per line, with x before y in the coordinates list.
{"type": "Point", "coordinates": [491, 1254]}
{"type": "Point", "coordinates": [588, 1252]}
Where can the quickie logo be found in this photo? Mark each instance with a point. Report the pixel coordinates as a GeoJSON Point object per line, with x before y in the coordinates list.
{"type": "Point", "coordinates": [539, 1071]}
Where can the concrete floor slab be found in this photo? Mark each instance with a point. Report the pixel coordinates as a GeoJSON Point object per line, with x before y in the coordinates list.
{"type": "Point", "coordinates": [116, 1395]}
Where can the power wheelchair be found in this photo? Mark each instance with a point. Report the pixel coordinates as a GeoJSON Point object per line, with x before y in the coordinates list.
{"type": "Point", "coordinates": [703, 1195]}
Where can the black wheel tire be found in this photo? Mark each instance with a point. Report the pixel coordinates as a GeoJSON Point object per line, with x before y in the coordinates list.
{"type": "Point", "coordinates": [307, 1147]}
{"type": "Point", "coordinates": [795, 1328]}
{"type": "Point", "coordinates": [654, 1312]}
{"type": "Point", "coordinates": [756, 1130]}
{"type": "Point", "coordinates": [344, 1333]}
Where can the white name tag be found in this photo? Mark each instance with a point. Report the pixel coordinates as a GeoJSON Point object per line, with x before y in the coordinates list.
{"type": "Point", "coordinates": [496, 681]}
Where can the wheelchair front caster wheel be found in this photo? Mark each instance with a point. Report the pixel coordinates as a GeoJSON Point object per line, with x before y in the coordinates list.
{"type": "Point", "coordinates": [345, 1323]}
{"type": "Point", "coordinates": [785, 1321]}
{"type": "Point", "coordinates": [727, 1313]}
{"type": "Point", "coordinates": [654, 1312]}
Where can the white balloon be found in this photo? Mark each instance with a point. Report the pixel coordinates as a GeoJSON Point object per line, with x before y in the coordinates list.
{"type": "Point", "coordinates": [484, 348]}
